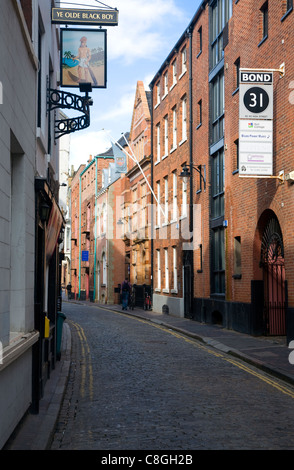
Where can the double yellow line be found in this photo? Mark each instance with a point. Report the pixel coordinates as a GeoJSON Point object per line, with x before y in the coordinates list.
{"type": "Point", "coordinates": [86, 357]}
{"type": "Point", "coordinates": [86, 362]}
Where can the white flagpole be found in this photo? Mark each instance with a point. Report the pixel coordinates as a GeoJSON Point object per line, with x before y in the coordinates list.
{"type": "Point", "coordinates": [136, 161]}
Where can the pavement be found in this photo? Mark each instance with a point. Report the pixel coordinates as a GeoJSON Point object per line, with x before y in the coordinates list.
{"type": "Point", "coordinates": [270, 354]}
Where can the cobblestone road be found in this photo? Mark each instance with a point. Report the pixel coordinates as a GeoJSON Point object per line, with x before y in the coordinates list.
{"type": "Point", "coordinates": [134, 385]}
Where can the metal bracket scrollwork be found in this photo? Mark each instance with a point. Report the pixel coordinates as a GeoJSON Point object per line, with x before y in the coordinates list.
{"type": "Point", "coordinates": [65, 100]}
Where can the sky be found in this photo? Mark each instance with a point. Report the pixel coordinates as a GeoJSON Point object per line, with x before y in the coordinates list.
{"type": "Point", "coordinates": [146, 33]}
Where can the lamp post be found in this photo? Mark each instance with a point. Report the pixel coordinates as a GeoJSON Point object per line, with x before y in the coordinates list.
{"type": "Point", "coordinates": [188, 255]}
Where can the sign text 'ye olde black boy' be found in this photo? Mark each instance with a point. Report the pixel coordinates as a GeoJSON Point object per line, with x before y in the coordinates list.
{"type": "Point", "coordinates": [86, 17]}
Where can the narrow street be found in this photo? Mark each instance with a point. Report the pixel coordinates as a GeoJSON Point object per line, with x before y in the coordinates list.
{"type": "Point", "coordinates": [134, 385]}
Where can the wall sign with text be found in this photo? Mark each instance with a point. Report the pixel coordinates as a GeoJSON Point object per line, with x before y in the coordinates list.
{"type": "Point", "coordinates": [84, 17]}
{"type": "Point", "coordinates": [256, 123]}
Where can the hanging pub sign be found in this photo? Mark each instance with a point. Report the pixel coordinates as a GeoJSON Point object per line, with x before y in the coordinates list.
{"type": "Point", "coordinates": [256, 123]}
{"type": "Point", "coordinates": [83, 57]}
{"type": "Point", "coordinates": [84, 17]}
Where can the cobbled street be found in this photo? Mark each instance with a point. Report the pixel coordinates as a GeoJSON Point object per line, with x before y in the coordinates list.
{"type": "Point", "coordinates": [134, 385]}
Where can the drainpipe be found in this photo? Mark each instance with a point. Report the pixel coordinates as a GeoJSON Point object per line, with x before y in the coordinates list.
{"type": "Point", "coordinates": [190, 33]}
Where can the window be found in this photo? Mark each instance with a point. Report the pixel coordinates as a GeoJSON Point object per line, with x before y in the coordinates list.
{"type": "Point", "coordinates": [184, 60]}
{"type": "Point", "coordinates": [166, 136]}
{"type": "Point", "coordinates": [217, 108]}
{"type": "Point", "coordinates": [220, 15]}
{"type": "Point", "coordinates": [218, 261]}
{"type": "Point", "coordinates": [199, 113]}
{"type": "Point", "coordinates": [236, 155]}
{"type": "Point", "coordinates": [166, 200]}
{"type": "Point", "coordinates": [264, 21]}
{"type": "Point", "coordinates": [237, 73]}
{"type": "Point", "coordinates": [237, 257]}
{"type": "Point", "coordinates": [184, 119]}
{"type": "Point", "coordinates": [104, 270]}
{"type": "Point", "coordinates": [217, 185]}
{"type": "Point", "coordinates": [158, 204]}
{"type": "Point", "coordinates": [158, 93]}
{"type": "Point", "coordinates": [166, 270]}
{"type": "Point", "coordinates": [199, 40]}
{"type": "Point", "coordinates": [184, 198]}
{"type": "Point", "coordinates": [175, 269]}
{"type": "Point", "coordinates": [158, 142]}
{"type": "Point", "coordinates": [174, 69]}
{"type": "Point", "coordinates": [287, 7]}
{"type": "Point", "coordinates": [165, 83]}
{"type": "Point", "coordinates": [174, 128]}
{"type": "Point", "coordinates": [144, 205]}
{"type": "Point", "coordinates": [175, 205]}
{"type": "Point", "coordinates": [158, 270]}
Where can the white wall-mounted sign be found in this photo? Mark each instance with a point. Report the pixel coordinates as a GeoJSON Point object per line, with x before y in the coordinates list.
{"type": "Point", "coordinates": [255, 147]}
{"type": "Point", "coordinates": [256, 123]}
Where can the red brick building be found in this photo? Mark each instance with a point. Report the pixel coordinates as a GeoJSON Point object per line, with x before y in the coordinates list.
{"type": "Point", "coordinates": [174, 102]}
{"type": "Point", "coordinates": [137, 197]}
{"type": "Point", "coordinates": [239, 273]}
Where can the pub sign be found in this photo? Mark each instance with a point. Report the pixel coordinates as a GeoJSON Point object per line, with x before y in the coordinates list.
{"type": "Point", "coordinates": [83, 57]}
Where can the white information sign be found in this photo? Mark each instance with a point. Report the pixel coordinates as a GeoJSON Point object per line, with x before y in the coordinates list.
{"type": "Point", "coordinates": [256, 123]}
{"type": "Point", "coordinates": [255, 147]}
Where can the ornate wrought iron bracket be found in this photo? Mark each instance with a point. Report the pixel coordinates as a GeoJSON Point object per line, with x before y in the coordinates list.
{"type": "Point", "coordinates": [61, 99]}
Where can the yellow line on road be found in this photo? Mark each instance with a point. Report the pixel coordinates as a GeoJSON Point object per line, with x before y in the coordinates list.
{"type": "Point", "coordinates": [236, 363]}
{"type": "Point", "coordinates": [86, 361]}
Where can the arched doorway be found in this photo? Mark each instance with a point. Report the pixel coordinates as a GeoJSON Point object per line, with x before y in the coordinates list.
{"type": "Point", "coordinates": [273, 264]}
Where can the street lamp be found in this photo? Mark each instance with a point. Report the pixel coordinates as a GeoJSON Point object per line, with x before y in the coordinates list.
{"type": "Point", "coordinates": [185, 174]}
{"type": "Point", "coordinates": [188, 255]}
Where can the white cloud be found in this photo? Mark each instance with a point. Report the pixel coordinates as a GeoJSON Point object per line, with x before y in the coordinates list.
{"type": "Point", "coordinates": [83, 144]}
{"type": "Point", "coordinates": [142, 28]}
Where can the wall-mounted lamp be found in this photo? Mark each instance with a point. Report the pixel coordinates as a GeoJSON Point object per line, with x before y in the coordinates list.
{"type": "Point", "coordinates": [185, 174]}
{"type": "Point", "coordinates": [44, 212]}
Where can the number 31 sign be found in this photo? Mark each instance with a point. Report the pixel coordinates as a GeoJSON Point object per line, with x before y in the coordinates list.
{"type": "Point", "coordinates": [256, 95]}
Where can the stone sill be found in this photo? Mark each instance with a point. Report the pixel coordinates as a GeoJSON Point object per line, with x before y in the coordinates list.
{"type": "Point", "coordinates": [18, 345]}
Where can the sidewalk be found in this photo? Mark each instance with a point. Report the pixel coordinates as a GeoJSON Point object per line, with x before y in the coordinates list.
{"type": "Point", "coordinates": [268, 354]}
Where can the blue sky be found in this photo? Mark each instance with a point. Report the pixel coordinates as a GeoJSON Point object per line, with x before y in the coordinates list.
{"type": "Point", "coordinates": [147, 31]}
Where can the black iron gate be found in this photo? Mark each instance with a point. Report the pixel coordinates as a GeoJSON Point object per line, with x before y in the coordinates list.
{"type": "Point", "coordinates": [272, 259]}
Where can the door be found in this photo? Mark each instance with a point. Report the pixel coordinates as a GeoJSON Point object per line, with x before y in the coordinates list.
{"type": "Point", "coordinates": [274, 279]}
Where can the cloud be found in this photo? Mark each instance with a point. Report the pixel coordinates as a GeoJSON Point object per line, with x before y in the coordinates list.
{"type": "Point", "coordinates": [84, 144]}
{"type": "Point", "coordinates": [139, 34]}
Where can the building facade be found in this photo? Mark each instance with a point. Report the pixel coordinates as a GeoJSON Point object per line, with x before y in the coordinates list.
{"type": "Point", "coordinates": [238, 272]}
{"type": "Point", "coordinates": [137, 198]}
{"type": "Point", "coordinates": [31, 221]}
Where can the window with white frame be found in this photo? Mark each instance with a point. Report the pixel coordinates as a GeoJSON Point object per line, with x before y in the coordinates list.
{"type": "Point", "coordinates": [143, 205]}
{"type": "Point", "coordinates": [134, 210]}
{"type": "Point", "coordinates": [184, 118]}
{"type": "Point", "coordinates": [175, 268]}
{"type": "Point", "coordinates": [166, 200]}
{"type": "Point", "coordinates": [158, 204]}
{"type": "Point", "coordinates": [175, 205]}
{"type": "Point", "coordinates": [174, 127]}
{"type": "Point", "coordinates": [104, 270]}
{"type": "Point", "coordinates": [184, 198]}
{"type": "Point", "coordinates": [184, 60]}
{"type": "Point", "coordinates": [166, 135]}
{"type": "Point", "coordinates": [174, 69]}
{"type": "Point", "coordinates": [165, 83]}
{"type": "Point", "coordinates": [158, 270]}
{"type": "Point", "coordinates": [166, 269]}
{"type": "Point", "coordinates": [158, 93]}
{"type": "Point", "coordinates": [104, 218]}
{"type": "Point", "coordinates": [158, 142]}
